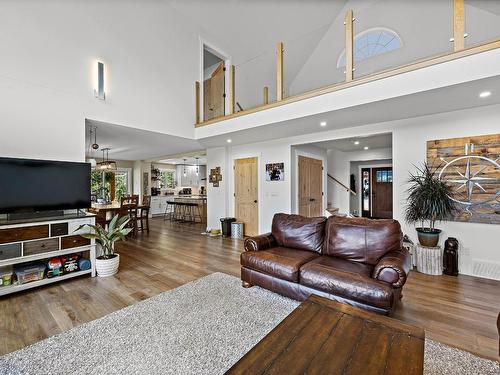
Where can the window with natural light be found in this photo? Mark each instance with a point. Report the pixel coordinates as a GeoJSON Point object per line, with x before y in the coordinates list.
{"type": "Point", "coordinates": [371, 43]}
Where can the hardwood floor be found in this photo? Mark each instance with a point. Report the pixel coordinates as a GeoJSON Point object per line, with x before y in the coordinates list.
{"type": "Point", "coordinates": [458, 311]}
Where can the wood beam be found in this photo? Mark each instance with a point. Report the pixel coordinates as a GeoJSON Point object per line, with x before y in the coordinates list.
{"type": "Point", "coordinates": [280, 94]}
{"type": "Point", "coordinates": [197, 93]}
{"type": "Point", "coordinates": [458, 25]}
{"type": "Point", "coordinates": [349, 46]}
{"type": "Point", "coordinates": [266, 95]}
{"type": "Point", "coordinates": [232, 101]}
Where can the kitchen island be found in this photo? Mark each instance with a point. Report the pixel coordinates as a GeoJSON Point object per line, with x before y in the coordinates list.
{"type": "Point", "coordinates": [159, 203]}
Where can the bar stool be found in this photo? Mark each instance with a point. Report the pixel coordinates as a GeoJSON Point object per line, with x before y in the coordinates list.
{"type": "Point", "coordinates": [143, 217]}
{"type": "Point", "coordinates": [190, 212]}
{"type": "Point", "coordinates": [169, 211]}
{"type": "Point", "coordinates": [180, 211]}
{"type": "Point", "coordinates": [194, 212]}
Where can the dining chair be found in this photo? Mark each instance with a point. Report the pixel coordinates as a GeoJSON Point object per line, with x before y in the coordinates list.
{"type": "Point", "coordinates": [128, 207]}
{"type": "Point", "coordinates": [144, 213]}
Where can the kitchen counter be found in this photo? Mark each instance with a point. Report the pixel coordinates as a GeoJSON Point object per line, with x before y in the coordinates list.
{"type": "Point", "coordinates": [159, 203]}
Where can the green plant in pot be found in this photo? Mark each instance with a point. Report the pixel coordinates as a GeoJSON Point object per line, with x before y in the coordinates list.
{"type": "Point", "coordinates": [428, 202]}
{"type": "Point", "coordinates": [107, 263]}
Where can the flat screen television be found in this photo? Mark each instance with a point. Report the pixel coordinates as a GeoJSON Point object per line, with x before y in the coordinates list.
{"type": "Point", "coordinates": [39, 185]}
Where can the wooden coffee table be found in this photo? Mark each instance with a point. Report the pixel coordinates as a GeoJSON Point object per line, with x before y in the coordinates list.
{"type": "Point", "coordinates": [326, 337]}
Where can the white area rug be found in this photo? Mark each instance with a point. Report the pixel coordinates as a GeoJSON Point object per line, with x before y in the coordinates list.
{"type": "Point", "coordinates": [202, 327]}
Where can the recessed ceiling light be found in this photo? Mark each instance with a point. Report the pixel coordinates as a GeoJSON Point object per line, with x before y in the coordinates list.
{"type": "Point", "coordinates": [356, 143]}
{"type": "Point", "coordinates": [365, 148]}
{"type": "Point", "coordinates": [322, 123]}
{"type": "Point", "coordinates": [229, 141]}
{"type": "Point", "coordinates": [485, 94]}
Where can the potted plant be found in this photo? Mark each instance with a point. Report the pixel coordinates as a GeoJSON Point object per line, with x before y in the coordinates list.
{"type": "Point", "coordinates": [428, 201]}
{"type": "Point", "coordinates": [107, 263]}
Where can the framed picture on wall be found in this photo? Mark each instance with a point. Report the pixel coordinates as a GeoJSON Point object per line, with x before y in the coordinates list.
{"type": "Point", "coordinates": [275, 172]}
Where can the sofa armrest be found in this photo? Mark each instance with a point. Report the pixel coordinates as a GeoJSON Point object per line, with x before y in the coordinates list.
{"type": "Point", "coordinates": [393, 268]}
{"type": "Point", "coordinates": [262, 242]}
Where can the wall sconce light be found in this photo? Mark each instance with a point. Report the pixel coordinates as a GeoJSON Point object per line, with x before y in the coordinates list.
{"type": "Point", "coordinates": [99, 90]}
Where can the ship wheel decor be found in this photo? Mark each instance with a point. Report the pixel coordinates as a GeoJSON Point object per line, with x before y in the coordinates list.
{"type": "Point", "coordinates": [471, 166]}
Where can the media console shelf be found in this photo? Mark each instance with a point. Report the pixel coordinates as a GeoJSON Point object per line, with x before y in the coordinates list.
{"type": "Point", "coordinates": [24, 242]}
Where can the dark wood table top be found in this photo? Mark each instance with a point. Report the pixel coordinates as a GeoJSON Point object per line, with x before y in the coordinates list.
{"type": "Point", "coordinates": [326, 337]}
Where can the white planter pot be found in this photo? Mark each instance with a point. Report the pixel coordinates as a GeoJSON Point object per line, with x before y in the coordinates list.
{"type": "Point", "coordinates": [107, 267]}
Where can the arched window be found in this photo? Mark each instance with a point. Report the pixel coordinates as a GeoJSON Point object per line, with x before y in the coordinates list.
{"type": "Point", "coordinates": [371, 43]}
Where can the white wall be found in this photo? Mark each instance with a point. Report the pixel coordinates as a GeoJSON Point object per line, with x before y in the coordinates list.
{"type": "Point", "coordinates": [49, 52]}
{"type": "Point", "coordinates": [273, 196]}
{"type": "Point", "coordinates": [217, 197]}
{"type": "Point", "coordinates": [478, 241]}
{"type": "Point", "coordinates": [339, 166]}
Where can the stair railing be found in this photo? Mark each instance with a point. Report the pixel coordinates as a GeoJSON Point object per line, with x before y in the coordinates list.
{"type": "Point", "coordinates": [341, 184]}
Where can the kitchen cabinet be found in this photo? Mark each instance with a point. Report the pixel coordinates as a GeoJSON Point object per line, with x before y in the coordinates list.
{"type": "Point", "coordinates": [158, 205]}
{"type": "Point", "coordinates": [189, 178]}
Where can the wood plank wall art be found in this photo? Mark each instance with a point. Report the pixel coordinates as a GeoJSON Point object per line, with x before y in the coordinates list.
{"type": "Point", "coordinates": [472, 166]}
{"type": "Point", "coordinates": [215, 176]}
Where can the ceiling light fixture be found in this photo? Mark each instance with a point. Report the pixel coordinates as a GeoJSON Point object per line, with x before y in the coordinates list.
{"type": "Point", "coordinates": [95, 146]}
{"type": "Point", "coordinates": [106, 164]}
{"type": "Point", "coordinates": [485, 94]}
{"type": "Point", "coordinates": [356, 143]}
{"type": "Point", "coordinates": [322, 123]}
{"type": "Point", "coordinates": [197, 166]}
{"type": "Point", "coordinates": [184, 165]}
{"type": "Point", "coordinates": [365, 148]}
{"type": "Point", "coordinates": [229, 141]}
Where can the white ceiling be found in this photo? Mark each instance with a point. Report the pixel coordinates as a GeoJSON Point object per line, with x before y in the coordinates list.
{"type": "Point", "coordinates": [135, 144]}
{"type": "Point", "coordinates": [348, 144]}
{"type": "Point", "coordinates": [247, 28]}
{"type": "Point", "coordinates": [191, 160]}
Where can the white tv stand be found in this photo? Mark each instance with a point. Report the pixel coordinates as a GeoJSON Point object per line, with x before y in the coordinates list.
{"type": "Point", "coordinates": [26, 241]}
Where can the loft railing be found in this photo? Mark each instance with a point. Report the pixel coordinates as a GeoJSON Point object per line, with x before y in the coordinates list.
{"type": "Point", "coordinates": [321, 62]}
{"type": "Point", "coordinates": [341, 184]}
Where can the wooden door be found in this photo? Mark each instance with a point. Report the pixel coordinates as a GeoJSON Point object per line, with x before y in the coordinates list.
{"type": "Point", "coordinates": [246, 194]}
{"type": "Point", "coordinates": [310, 187]}
{"type": "Point", "coordinates": [213, 94]}
{"type": "Point", "coordinates": [382, 193]}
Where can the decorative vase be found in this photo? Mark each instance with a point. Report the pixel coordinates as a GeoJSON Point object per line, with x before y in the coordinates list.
{"type": "Point", "coordinates": [428, 237]}
{"type": "Point", "coordinates": [107, 267]}
{"type": "Point", "coordinates": [450, 257]}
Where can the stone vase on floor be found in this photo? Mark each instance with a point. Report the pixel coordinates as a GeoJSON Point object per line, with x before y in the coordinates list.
{"type": "Point", "coordinates": [107, 267]}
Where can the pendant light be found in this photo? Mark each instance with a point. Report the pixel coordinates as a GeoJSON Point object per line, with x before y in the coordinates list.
{"type": "Point", "coordinates": [95, 146]}
{"type": "Point", "coordinates": [184, 165]}
{"type": "Point", "coordinates": [106, 164]}
{"type": "Point", "coordinates": [197, 166]}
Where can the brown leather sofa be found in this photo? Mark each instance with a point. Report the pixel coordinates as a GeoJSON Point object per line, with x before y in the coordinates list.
{"type": "Point", "coordinates": [352, 260]}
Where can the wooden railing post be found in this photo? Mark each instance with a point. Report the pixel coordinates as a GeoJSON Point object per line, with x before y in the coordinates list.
{"type": "Point", "coordinates": [197, 93]}
{"type": "Point", "coordinates": [458, 25]}
{"type": "Point", "coordinates": [279, 72]}
{"type": "Point", "coordinates": [232, 101]}
{"type": "Point", "coordinates": [266, 95]}
{"type": "Point", "coordinates": [349, 46]}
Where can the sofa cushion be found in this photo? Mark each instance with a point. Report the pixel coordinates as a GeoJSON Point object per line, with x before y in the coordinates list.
{"type": "Point", "coordinates": [360, 239]}
{"type": "Point", "coordinates": [299, 232]}
{"type": "Point", "coordinates": [280, 262]}
{"type": "Point", "coordinates": [344, 278]}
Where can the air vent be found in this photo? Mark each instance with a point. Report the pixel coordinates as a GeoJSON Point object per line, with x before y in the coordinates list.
{"type": "Point", "coordinates": [483, 268]}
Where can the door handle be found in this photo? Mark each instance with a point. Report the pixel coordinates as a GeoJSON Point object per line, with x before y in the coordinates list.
{"type": "Point", "coordinates": [312, 200]}
{"type": "Point", "coordinates": [255, 201]}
